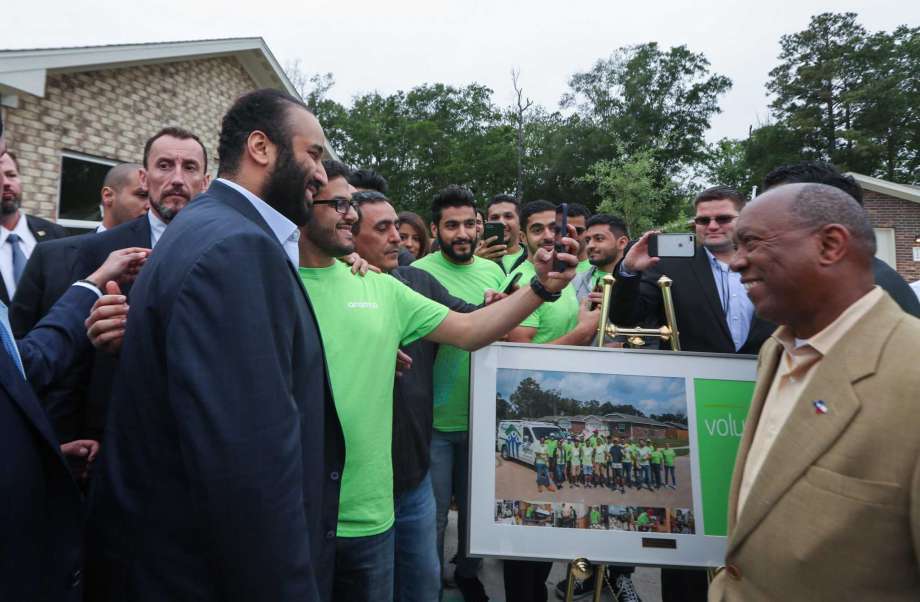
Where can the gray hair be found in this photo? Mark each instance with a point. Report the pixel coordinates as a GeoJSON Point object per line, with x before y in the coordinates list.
{"type": "Point", "coordinates": [818, 205]}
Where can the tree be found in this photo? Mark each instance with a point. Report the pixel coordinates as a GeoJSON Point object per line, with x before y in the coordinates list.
{"type": "Point", "coordinates": [814, 82]}
{"type": "Point", "coordinates": [520, 109]}
{"type": "Point", "coordinates": [628, 188]}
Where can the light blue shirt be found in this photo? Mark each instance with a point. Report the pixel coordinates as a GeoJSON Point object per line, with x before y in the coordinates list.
{"type": "Point", "coordinates": [736, 306]}
{"type": "Point", "coordinates": [157, 227]}
{"type": "Point", "coordinates": [284, 229]}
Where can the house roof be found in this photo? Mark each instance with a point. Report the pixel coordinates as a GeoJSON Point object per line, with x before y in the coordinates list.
{"type": "Point", "coordinates": [618, 417]}
{"type": "Point", "coordinates": [904, 192]}
{"type": "Point", "coordinates": [26, 71]}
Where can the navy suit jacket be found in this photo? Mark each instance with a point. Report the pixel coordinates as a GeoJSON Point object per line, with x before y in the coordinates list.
{"type": "Point", "coordinates": [700, 319]}
{"type": "Point", "coordinates": [51, 270]}
{"type": "Point", "coordinates": [223, 455]}
{"type": "Point", "coordinates": [42, 230]}
{"type": "Point", "coordinates": [41, 514]}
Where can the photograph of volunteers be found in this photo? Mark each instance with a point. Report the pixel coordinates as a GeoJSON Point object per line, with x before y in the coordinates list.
{"type": "Point", "coordinates": [592, 439]}
{"type": "Point", "coordinates": [536, 514]}
{"type": "Point", "coordinates": [682, 521]}
{"type": "Point", "coordinates": [638, 518]}
{"type": "Point", "coordinates": [570, 516]}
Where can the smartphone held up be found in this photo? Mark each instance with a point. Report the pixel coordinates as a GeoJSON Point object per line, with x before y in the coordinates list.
{"type": "Point", "coordinates": [678, 244]}
{"type": "Point", "coordinates": [562, 229]}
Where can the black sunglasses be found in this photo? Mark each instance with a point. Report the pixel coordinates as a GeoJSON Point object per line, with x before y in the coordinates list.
{"type": "Point", "coordinates": [720, 219]}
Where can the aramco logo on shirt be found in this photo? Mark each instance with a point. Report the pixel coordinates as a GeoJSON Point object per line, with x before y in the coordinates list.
{"type": "Point", "coordinates": [362, 305]}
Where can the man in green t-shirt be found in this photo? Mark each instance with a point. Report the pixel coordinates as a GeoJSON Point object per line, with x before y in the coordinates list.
{"type": "Point", "coordinates": [362, 322]}
{"type": "Point", "coordinates": [560, 323]}
{"type": "Point", "coordinates": [669, 454]}
{"type": "Point", "coordinates": [655, 462]}
{"type": "Point", "coordinates": [506, 209]}
{"type": "Point", "coordinates": [578, 217]}
{"type": "Point", "coordinates": [605, 238]}
{"type": "Point", "coordinates": [466, 276]}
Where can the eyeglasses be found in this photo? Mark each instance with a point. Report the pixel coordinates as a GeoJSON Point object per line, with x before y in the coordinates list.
{"type": "Point", "coordinates": [719, 219]}
{"type": "Point", "coordinates": [340, 204]}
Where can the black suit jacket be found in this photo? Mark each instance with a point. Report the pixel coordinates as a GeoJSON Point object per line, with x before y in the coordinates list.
{"type": "Point", "coordinates": [223, 454]}
{"type": "Point", "coordinates": [893, 284]}
{"type": "Point", "coordinates": [42, 230]}
{"type": "Point", "coordinates": [98, 374]}
{"type": "Point", "coordinates": [51, 270]}
{"type": "Point", "coordinates": [41, 515]}
{"type": "Point", "coordinates": [700, 319]}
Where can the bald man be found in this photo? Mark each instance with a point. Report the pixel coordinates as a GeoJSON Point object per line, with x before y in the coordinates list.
{"type": "Point", "coordinates": [825, 496]}
{"type": "Point", "coordinates": [123, 196]}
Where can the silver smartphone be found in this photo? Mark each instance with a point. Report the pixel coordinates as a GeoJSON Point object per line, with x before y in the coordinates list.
{"type": "Point", "coordinates": [679, 244]}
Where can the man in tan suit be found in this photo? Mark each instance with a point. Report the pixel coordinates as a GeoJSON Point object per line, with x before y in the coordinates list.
{"type": "Point", "coordinates": [825, 497]}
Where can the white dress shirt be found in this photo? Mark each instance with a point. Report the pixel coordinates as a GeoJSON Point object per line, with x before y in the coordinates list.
{"type": "Point", "coordinates": [157, 227]}
{"type": "Point", "coordinates": [284, 229]}
{"type": "Point", "coordinates": [27, 243]}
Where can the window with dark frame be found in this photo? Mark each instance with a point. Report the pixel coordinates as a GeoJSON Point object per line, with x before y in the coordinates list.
{"type": "Point", "coordinates": [81, 183]}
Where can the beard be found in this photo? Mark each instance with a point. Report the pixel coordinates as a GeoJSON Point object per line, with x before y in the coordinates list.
{"type": "Point", "coordinates": [453, 253]}
{"type": "Point", "coordinates": [11, 206]}
{"type": "Point", "coordinates": [326, 240]}
{"type": "Point", "coordinates": [286, 187]}
{"type": "Point", "coordinates": [605, 260]}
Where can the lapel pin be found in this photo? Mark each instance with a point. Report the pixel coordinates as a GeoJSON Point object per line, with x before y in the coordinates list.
{"type": "Point", "coordinates": [820, 406]}
{"type": "Point", "coordinates": [40, 232]}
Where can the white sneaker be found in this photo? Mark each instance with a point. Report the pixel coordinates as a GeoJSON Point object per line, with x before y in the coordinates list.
{"type": "Point", "coordinates": [624, 589]}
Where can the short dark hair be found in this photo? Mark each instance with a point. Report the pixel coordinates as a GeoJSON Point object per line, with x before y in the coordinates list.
{"type": "Point", "coordinates": [814, 172]}
{"type": "Point", "coordinates": [336, 169]}
{"type": "Point", "coordinates": [174, 132]}
{"type": "Point", "coordinates": [504, 198]}
{"type": "Point", "coordinates": [452, 196]}
{"type": "Point", "coordinates": [533, 207]}
{"type": "Point", "coordinates": [369, 180]}
{"type": "Point", "coordinates": [362, 198]}
{"type": "Point", "coordinates": [721, 193]}
{"type": "Point", "coordinates": [578, 210]}
{"type": "Point", "coordinates": [481, 213]}
{"type": "Point", "coordinates": [615, 223]}
{"type": "Point", "coordinates": [15, 159]}
{"type": "Point", "coordinates": [264, 110]}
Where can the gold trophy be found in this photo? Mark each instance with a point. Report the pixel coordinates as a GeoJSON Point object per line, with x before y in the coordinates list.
{"type": "Point", "coordinates": [580, 568]}
{"type": "Point", "coordinates": [636, 336]}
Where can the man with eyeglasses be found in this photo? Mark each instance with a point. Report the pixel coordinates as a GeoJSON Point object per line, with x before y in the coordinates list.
{"type": "Point", "coordinates": [714, 313]}
{"type": "Point", "coordinates": [363, 321]}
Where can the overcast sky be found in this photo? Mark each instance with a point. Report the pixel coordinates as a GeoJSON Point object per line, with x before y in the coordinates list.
{"type": "Point", "coordinates": [390, 45]}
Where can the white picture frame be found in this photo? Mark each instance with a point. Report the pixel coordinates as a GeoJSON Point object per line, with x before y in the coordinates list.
{"type": "Point", "coordinates": [489, 538]}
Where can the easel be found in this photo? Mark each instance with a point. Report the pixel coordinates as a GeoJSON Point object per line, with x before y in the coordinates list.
{"type": "Point", "coordinates": [581, 568]}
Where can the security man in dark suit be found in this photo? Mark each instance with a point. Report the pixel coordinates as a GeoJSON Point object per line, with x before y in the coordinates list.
{"type": "Point", "coordinates": [18, 237]}
{"type": "Point", "coordinates": [713, 311]}
{"type": "Point", "coordinates": [220, 473]}
{"type": "Point", "coordinates": [51, 270]}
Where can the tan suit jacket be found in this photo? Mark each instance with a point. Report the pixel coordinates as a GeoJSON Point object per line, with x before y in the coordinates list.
{"type": "Point", "coordinates": [834, 513]}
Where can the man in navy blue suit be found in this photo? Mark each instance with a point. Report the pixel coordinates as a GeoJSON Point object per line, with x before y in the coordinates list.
{"type": "Point", "coordinates": [223, 454]}
{"type": "Point", "coordinates": [41, 514]}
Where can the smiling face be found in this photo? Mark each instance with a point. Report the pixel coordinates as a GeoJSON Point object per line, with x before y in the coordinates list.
{"type": "Point", "coordinates": [507, 214]}
{"type": "Point", "coordinates": [540, 231]}
{"type": "Point", "coordinates": [329, 230]}
{"type": "Point", "coordinates": [456, 233]}
{"type": "Point", "coordinates": [777, 259]}
{"type": "Point", "coordinates": [715, 236]}
{"type": "Point", "coordinates": [378, 240]}
{"type": "Point", "coordinates": [604, 246]}
{"type": "Point", "coordinates": [410, 239]}
{"type": "Point", "coordinates": [173, 175]}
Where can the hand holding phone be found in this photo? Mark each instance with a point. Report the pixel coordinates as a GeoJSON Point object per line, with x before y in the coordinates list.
{"type": "Point", "coordinates": [562, 229]}
{"type": "Point", "coordinates": [494, 229]}
{"type": "Point", "coordinates": [672, 245]}
{"type": "Point", "coordinates": [514, 280]}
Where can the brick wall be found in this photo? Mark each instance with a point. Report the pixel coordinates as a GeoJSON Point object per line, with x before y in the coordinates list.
{"type": "Point", "coordinates": [904, 216]}
{"type": "Point", "coordinates": [111, 113]}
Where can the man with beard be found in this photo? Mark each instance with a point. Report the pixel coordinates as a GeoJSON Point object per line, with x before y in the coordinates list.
{"type": "Point", "coordinates": [578, 217]}
{"type": "Point", "coordinates": [560, 323]}
{"type": "Point", "coordinates": [18, 236]}
{"type": "Point", "coordinates": [363, 322]}
{"type": "Point", "coordinates": [506, 209]}
{"type": "Point", "coordinates": [175, 166]}
{"type": "Point", "coordinates": [219, 478]}
{"type": "Point", "coordinates": [605, 237]}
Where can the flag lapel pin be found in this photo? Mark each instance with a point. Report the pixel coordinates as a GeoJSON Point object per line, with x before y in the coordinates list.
{"type": "Point", "coordinates": [820, 406]}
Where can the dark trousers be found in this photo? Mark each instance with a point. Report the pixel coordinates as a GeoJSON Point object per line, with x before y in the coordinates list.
{"type": "Point", "coordinates": [364, 568]}
{"type": "Point", "coordinates": [525, 580]}
{"type": "Point", "coordinates": [684, 585]}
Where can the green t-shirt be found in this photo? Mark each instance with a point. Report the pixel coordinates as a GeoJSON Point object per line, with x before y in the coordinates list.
{"type": "Point", "coordinates": [509, 260]}
{"type": "Point", "coordinates": [363, 321]}
{"type": "Point", "coordinates": [452, 365]}
{"type": "Point", "coordinates": [587, 455]}
{"type": "Point", "coordinates": [539, 453]}
{"type": "Point", "coordinates": [551, 447]}
{"type": "Point", "coordinates": [583, 266]}
{"type": "Point", "coordinates": [595, 517]}
{"type": "Point", "coordinates": [596, 277]}
{"type": "Point", "coordinates": [656, 456]}
{"type": "Point", "coordinates": [568, 446]}
{"type": "Point", "coordinates": [575, 460]}
{"type": "Point", "coordinates": [669, 455]}
{"type": "Point", "coordinates": [643, 519]}
{"type": "Point", "coordinates": [552, 320]}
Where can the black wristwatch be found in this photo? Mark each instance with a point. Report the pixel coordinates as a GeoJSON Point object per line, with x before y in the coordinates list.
{"type": "Point", "coordinates": [541, 291]}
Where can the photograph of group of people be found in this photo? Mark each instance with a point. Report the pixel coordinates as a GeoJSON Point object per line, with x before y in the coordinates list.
{"type": "Point", "coordinates": [644, 519]}
{"type": "Point", "coordinates": [588, 440]}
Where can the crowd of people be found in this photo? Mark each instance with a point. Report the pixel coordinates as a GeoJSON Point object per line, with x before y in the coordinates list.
{"type": "Point", "coordinates": [257, 387]}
